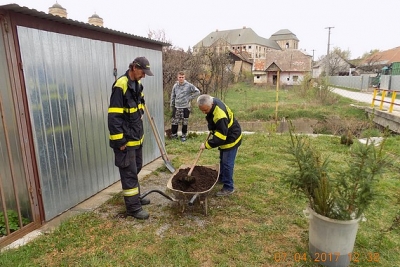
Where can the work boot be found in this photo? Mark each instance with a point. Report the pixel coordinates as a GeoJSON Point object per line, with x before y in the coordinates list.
{"type": "Point", "coordinates": [174, 136]}
{"type": "Point", "coordinates": [183, 138]}
{"type": "Point", "coordinates": [144, 201]}
{"type": "Point", "coordinates": [224, 192]}
{"type": "Point", "coordinates": [139, 214]}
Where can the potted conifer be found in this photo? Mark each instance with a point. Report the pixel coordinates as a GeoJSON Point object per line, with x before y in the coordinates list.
{"type": "Point", "coordinates": [336, 200]}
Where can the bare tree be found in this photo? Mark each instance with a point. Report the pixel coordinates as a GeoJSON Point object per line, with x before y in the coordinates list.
{"type": "Point", "coordinates": [212, 69]}
{"type": "Point", "coordinates": [174, 60]}
{"type": "Point", "coordinates": [338, 61]}
{"type": "Point", "coordinates": [371, 62]}
{"type": "Point", "coordinates": [158, 35]}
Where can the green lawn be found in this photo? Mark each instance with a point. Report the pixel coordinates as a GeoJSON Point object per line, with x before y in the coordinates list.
{"type": "Point", "coordinates": [261, 224]}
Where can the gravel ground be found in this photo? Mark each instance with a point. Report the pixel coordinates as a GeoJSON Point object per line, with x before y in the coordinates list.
{"type": "Point", "coordinates": [161, 208]}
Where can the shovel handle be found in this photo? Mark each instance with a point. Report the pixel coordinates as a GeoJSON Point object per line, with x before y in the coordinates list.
{"type": "Point", "coordinates": [194, 164]}
{"type": "Point", "coordinates": [198, 156]}
{"type": "Point", "coordinates": [156, 135]}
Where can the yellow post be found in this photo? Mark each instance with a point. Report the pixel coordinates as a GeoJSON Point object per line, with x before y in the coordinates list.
{"type": "Point", "coordinates": [382, 99]}
{"type": "Point", "coordinates": [373, 97]}
{"type": "Point", "coordinates": [277, 94]}
{"type": "Point", "coordinates": [392, 102]}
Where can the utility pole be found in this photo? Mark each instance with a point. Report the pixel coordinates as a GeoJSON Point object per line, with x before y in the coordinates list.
{"type": "Point", "coordinates": [327, 53]}
{"type": "Point", "coordinates": [312, 64]}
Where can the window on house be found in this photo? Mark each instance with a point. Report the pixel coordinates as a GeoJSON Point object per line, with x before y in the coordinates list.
{"type": "Point", "coordinates": [249, 46]}
{"type": "Point", "coordinates": [287, 45]}
{"type": "Point", "coordinates": [258, 76]}
{"type": "Point", "coordinates": [295, 78]}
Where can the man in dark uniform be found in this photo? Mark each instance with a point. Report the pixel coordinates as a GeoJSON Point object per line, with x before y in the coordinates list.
{"type": "Point", "coordinates": [226, 135]}
{"type": "Point", "coordinates": [126, 133]}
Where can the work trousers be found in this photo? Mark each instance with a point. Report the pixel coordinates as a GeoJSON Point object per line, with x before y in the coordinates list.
{"type": "Point", "coordinates": [130, 162]}
{"type": "Point", "coordinates": [227, 164]}
{"type": "Point", "coordinates": [180, 115]}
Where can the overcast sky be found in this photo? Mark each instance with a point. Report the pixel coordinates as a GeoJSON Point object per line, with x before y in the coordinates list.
{"type": "Point", "coordinates": [359, 25]}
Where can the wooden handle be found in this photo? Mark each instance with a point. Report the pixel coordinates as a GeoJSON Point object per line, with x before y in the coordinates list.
{"type": "Point", "coordinates": [154, 131]}
{"type": "Point", "coordinates": [194, 164]}
{"type": "Point", "coordinates": [198, 156]}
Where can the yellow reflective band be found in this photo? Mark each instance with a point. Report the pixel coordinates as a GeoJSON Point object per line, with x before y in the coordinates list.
{"type": "Point", "coordinates": [218, 114]}
{"type": "Point", "coordinates": [141, 106]}
{"type": "Point", "coordinates": [220, 136]}
{"type": "Point", "coordinates": [115, 110]}
{"type": "Point", "coordinates": [135, 143]}
{"type": "Point", "coordinates": [122, 83]}
{"type": "Point", "coordinates": [207, 145]}
{"type": "Point", "coordinates": [130, 192]}
{"type": "Point", "coordinates": [116, 136]}
{"type": "Point", "coordinates": [231, 144]}
{"type": "Point", "coordinates": [231, 122]}
{"type": "Point", "coordinates": [130, 110]}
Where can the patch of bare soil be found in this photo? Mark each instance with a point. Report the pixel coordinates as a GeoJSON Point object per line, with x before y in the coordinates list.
{"type": "Point", "coordinates": [163, 209]}
{"type": "Point", "coordinates": [201, 179]}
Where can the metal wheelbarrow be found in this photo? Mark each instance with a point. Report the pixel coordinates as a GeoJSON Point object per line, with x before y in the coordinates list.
{"type": "Point", "coordinates": [184, 198]}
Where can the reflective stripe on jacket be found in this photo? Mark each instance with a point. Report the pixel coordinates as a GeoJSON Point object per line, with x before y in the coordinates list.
{"type": "Point", "coordinates": [226, 129]}
{"type": "Point", "coordinates": [125, 113]}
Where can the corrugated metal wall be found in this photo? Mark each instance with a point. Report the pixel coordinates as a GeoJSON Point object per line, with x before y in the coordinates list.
{"type": "Point", "coordinates": [391, 82]}
{"type": "Point", "coordinates": [125, 54]}
{"type": "Point", "coordinates": [14, 193]}
{"type": "Point", "coordinates": [68, 82]}
{"type": "Point", "coordinates": [395, 83]}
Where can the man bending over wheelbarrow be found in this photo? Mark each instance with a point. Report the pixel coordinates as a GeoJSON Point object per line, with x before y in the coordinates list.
{"type": "Point", "coordinates": [227, 136]}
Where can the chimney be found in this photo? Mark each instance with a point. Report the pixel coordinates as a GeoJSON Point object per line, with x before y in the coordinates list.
{"type": "Point", "coordinates": [58, 10]}
{"type": "Point", "coordinates": [96, 20]}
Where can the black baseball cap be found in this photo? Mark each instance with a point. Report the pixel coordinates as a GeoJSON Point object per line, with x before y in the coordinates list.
{"type": "Point", "coordinates": [144, 64]}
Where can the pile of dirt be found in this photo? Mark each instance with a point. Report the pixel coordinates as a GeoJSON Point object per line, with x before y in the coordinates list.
{"type": "Point", "coordinates": [202, 179]}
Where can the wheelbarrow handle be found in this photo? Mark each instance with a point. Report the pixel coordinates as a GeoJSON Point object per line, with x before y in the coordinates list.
{"type": "Point", "coordinates": [156, 191]}
{"type": "Point", "coordinates": [191, 202]}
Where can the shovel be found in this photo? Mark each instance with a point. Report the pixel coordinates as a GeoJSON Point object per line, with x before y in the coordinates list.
{"type": "Point", "coordinates": [189, 177]}
{"type": "Point", "coordinates": [159, 144]}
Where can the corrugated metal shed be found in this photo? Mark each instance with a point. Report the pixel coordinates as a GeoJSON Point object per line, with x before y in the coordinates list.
{"type": "Point", "coordinates": [38, 14]}
{"type": "Point", "coordinates": [55, 84]}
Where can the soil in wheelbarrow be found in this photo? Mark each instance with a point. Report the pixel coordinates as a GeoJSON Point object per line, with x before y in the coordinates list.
{"type": "Point", "coordinates": [202, 179]}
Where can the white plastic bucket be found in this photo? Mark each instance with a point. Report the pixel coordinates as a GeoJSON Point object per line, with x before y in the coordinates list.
{"type": "Point", "coordinates": [331, 242]}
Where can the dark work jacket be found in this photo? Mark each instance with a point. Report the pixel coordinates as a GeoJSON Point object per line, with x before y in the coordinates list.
{"type": "Point", "coordinates": [226, 130]}
{"type": "Point", "coordinates": [125, 113]}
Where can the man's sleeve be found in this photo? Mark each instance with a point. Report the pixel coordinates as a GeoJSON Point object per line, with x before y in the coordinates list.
{"type": "Point", "coordinates": [195, 91]}
{"type": "Point", "coordinates": [116, 118]}
{"type": "Point", "coordinates": [219, 134]}
{"type": "Point", "coordinates": [142, 102]}
{"type": "Point", "coordinates": [172, 104]}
